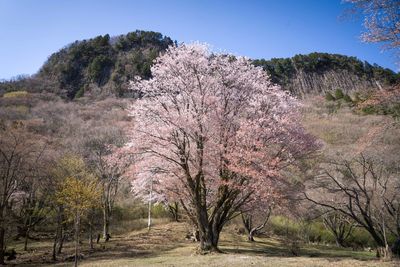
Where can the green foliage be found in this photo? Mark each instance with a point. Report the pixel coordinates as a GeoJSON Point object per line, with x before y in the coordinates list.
{"type": "Point", "coordinates": [99, 69]}
{"type": "Point", "coordinates": [282, 70]}
{"type": "Point", "coordinates": [338, 94]}
{"type": "Point", "coordinates": [139, 210]}
{"type": "Point", "coordinates": [347, 98]}
{"type": "Point", "coordinates": [315, 232]}
{"type": "Point", "coordinates": [96, 60]}
{"type": "Point", "coordinates": [360, 238]}
{"type": "Point", "coordinates": [80, 93]}
{"type": "Point", "coordinates": [159, 211]}
{"type": "Point", "coordinates": [306, 231]}
{"type": "Point", "coordinates": [392, 109]}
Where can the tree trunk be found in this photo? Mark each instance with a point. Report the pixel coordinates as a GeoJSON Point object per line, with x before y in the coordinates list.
{"type": "Point", "coordinates": [250, 236]}
{"type": "Point", "coordinates": [54, 252]}
{"type": "Point", "coordinates": [209, 233]}
{"type": "Point", "coordinates": [61, 242]}
{"type": "Point", "coordinates": [247, 223]}
{"type": "Point", "coordinates": [90, 236]}
{"type": "Point", "coordinates": [98, 238]}
{"type": "Point", "coordinates": [150, 199]}
{"type": "Point", "coordinates": [106, 222]}
{"type": "Point", "coordinates": [396, 247]}
{"type": "Point", "coordinates": [340, 242]}
{"type": "Point", "coordinates": [174, 210]}
{"type": "Point", "coordinates": [2, 252]}
{"type": "Point", "coordinates": [384, 253]}
{"type": "Point", "coordinates": [26, 239]}
{"type": "Point", "coordinates": [61, 234]}
{"type": "Point", "coordinates": [209, 241]}
{"type": "Point", "coordinates": [76, 239]}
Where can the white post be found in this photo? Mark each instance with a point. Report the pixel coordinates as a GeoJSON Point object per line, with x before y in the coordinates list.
{"type": "Point", "coordinates": [150, 198]}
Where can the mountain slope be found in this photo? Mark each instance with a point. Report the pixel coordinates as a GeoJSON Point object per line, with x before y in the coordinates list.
{"type": "Point", "coordinates": [104, 66]}
{"type": "Point", "coordinates": [104, 63]}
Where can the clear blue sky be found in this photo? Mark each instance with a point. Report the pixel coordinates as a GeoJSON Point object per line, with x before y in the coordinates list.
{"type": "Point", "coordinates": [31, 30]}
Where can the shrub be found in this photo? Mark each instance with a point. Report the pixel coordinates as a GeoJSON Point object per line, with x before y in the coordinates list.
{"type": "Point", "coordinates": [369, 110]}
{"type": "Point", "coordinates": [329, 97]}
{"type": "Point", "coordinates": [80, 92]}
{"type": "Point", "coordinates": [339, 94]}
{"type": "Point", "coordinates": [347, 98]}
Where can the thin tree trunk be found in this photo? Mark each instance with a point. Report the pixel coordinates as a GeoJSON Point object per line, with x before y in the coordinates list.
{"type": "Point", "coordinates": [250, 236]}
{"type": "Point", "coordinates": [76, 239]}
{"type": "Point", "coordinates": [26, 239]}
{"type": "Point", "coordinates": [174, 210]}
{"type": "Point", "coordinates": [54, 254]}
{"type": "Point", "coordinates": [2, 252]}
{"type": "Point", "coordinates": [61, 242]}
{"type": "Point", "coordinates": [61, 234]}
{"type": "Point", "coordinates": [149, 211]}
{"type": "Point", "coordinates": [90, 236]}
{"type": "Point", "coordinates": [98, 238]}
{"type": "Point", "coordinates": [106, 222]}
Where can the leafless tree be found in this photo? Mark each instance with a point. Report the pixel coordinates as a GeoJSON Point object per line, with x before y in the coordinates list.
{"type": "Point", "coordinates": [339, 225]}
{"type": "Point", "coordinates": [19, 152]}
{"type": "Point", "coordinates": [255, 223]}
{"type": "Point", "coordinates": [363, 190]}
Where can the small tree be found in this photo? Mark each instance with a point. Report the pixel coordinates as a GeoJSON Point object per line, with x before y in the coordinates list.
{"type": "Point", "coordinates": [339, 225]}
{"type": "Point", "coordinates": [78, 195]}
{"type": "Point", "coordinates": [257, 211]}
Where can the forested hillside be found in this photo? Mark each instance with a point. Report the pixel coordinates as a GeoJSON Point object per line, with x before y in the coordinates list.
{"type": "Point", "coordinates": [318, 73]}
{"type": "Point", "coordinates": [104, 66]}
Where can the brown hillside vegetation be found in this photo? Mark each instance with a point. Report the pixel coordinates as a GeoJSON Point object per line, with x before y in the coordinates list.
{"type": "Point", "coordinates": [346, 134]}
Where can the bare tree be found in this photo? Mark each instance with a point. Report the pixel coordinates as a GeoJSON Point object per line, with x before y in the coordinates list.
{"type": "Point", "coordinates": [339, 225]}
{"type": "Point", "coordinates": [364, 191]}
{"type": "Point", "coordinates": [109, 162]}
{"type": "Point", "coordinates": [255, 223]}
{"type": "Point", "coordinates": [19, 151]}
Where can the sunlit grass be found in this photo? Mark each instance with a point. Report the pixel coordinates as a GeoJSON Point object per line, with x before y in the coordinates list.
{"type": "Point", "coordinates": [15, 94]}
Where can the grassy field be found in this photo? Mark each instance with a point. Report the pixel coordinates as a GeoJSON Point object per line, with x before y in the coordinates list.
{"type": "Point", "coordinates": [165, 245]}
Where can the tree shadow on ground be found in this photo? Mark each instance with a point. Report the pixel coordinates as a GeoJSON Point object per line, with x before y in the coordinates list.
{"type": "Point", "coordinates": [135, 245]}
{"type": "Point", "coordinates": [275, 249]}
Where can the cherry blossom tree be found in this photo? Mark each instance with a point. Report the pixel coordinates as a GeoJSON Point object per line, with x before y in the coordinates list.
{"type": "Point", "coordinates": [381, 21]}
{"type": "Point", "coordinates": [212, 131]}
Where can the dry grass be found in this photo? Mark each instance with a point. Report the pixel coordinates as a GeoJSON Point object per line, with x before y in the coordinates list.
{"type": "Point", "coordinates": [348, 134]}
